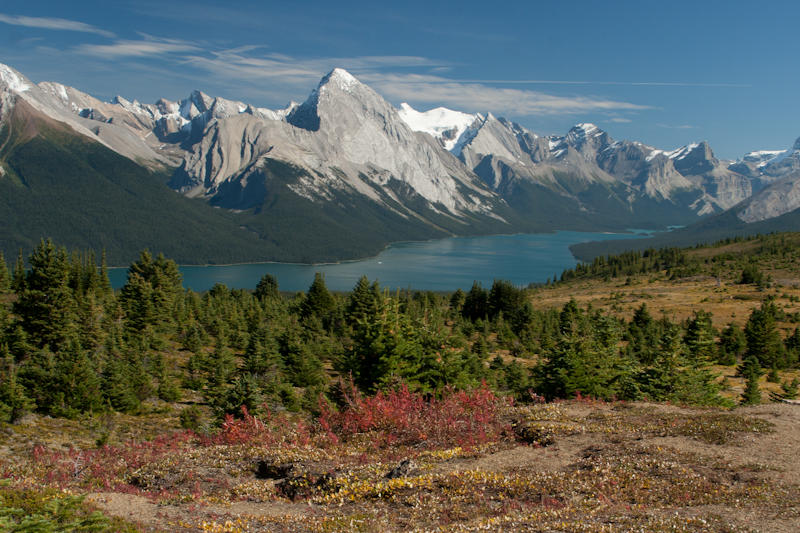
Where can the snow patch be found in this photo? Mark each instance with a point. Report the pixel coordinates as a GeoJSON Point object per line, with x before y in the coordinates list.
{"type": "Point", "coordinates": [682, 152]}
{"type": "Point", "coordinates": [452, 128]}
{"type": "Point", "coordinates": [342, 79]}
{"type": "Point", "coordinates": [14, 80]}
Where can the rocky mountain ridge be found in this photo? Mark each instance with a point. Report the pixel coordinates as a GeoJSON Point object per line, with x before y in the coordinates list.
{"type": "Point", "coordinates": [447, 170]}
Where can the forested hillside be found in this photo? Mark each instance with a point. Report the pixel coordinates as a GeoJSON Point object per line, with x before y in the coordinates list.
{"type": "Point", "coordinates": [72, 345]}
{"type": "Point", "coordinates": [402, 409]}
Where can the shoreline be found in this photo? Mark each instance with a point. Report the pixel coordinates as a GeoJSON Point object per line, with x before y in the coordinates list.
{"type": "Point", "coordinates": [394, 243]}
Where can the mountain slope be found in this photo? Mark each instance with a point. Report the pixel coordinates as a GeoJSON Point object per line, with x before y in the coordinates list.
{"type": "Point", "coordinates": [82, 194]}
{"type": "Point", "coordinates": [340, 175]}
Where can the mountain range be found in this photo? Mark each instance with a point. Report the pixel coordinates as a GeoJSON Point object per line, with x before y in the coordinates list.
{"type": "Point", "coordinates": [339, 176]}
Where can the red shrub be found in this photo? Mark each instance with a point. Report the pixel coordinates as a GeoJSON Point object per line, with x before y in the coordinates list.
{"type": "Point", "coordinates": [400, 416]}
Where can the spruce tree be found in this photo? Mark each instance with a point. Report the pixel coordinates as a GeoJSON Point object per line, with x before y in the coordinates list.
{"type": "Point", "coordinates": [751, 371]}
{"type": "Point", "coordinates": [267, 288]}
{"type": "Point", "coordinates": [362, 302]}
{"type": "Point", "coordinates": [46, 307]}
{"type": "Point", "coordinates": [476, 303]}
{"type": "Point", "coordinates": [319, 302]}
{"type": "Point", "coordinates": [5, 277]}
{"type": "Point", "coordinates": [763, 339]}
{"type": "Point", "coordinates": [18, 281]}
{"type": "Point", "coordinates": [14, 401]}
{"type": "Point", "coordinates": [699, 338]}
{"type": "Point", "coordinates": [731, 345]}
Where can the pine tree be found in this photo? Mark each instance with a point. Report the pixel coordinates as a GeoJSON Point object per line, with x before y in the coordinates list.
{"type": "Point", "coordinates": [267, 288]}
{"type": "Point", "coordinates": [18, 281]}
{"type": "Point", "coordinates": [319, 301]}
{"type": "Point", "coordinates": [699, 338]}
{"type": "Point", "coordinates": [151, 291]}
{"type": "Point", "coordinates": [116, 385]}
{"type": "Point", "coordinates": [5, 277]}
{"type": "Point", "coordinates": [763, 339]}
{"type": "Point", "coordinates": [105, 283]}
{"type": "Point", "coordinates": [46, 307]}
{"type": "Point", "coordinates": [505, 298]}
{"type": "Point", "coordinates": [751, 370]}
{"type": "Point", "coordinates": [303, 367]}
{"type": "Point", "coordinates": [731, 345]}
{"type": "Point", "coordinates": [457, 301]}
{"type": "Point", "coordinates": [14, 401]}
{"type": "Point", "coordinates": [476, 303]}
{"type": "Point", "coordinates": [362, 302]}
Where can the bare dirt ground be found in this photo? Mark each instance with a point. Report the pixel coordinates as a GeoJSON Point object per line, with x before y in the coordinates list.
{"type": "Point", "coordinates": [579, 466]}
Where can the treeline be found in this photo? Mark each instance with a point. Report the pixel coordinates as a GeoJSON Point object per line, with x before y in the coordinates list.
{"type": "Point", "coordinates": [69, 344]}
{"type": "Point", "coordinates": [768, 250]}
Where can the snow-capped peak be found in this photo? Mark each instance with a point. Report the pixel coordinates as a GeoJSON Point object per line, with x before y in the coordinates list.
{"type": "Point", "coordinates": [341, 79]}
{"type": "Point", "coordinates": [13, 79]}
{"type": "Point", "coordinates": [763, 158]}
{"type": "Point", "coordinates": [587, 128]}
{"type": "Point", "coordinates": [444, 124]}
{"type": "Point", "coordinates": [682, 152]}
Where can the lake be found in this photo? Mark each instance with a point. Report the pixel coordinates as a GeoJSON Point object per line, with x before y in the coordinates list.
{"type": "Point", "coordinates": [438, 265]}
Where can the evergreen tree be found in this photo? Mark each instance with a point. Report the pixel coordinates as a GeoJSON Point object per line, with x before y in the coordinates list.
{"type": "Point", "coordinates": [319, 302]}
{"type": "Point", "coordinates": [763, 339]}
{"type": "Point", "coordinates": [642, 336]}
{"type": "Point", "coordinates": [731, 345]}
{"type": "Point", "coordinates": [476, 303]}
{"type": "Point", "coordinates": [14, 401]}
{"type": "Point", "coordinates": [505, 298]}
{"type": "Point", "coordinates": [362, 302]}
{"type": "Point", "coordinates": [18, 281]}
{"type": "Point", "coordinates": [303, 367]}
{"type": "Point", "coordinates": [151, 291]}
{"type": "Point", "coordinates": [457, 301]}
{"type": "Point", "coordinates": [116, 385]}
{"type": "Point", "coordinates": [46, 308]}
{"type": "Point", "coordinates": [792, 344]}
{"type": "Point", "coordinates": [267, 288]}
{"type": "Point", "coordinates": [5, 277]}
{"type": "Point", "coordinates": [105, 283]}
{"type": "Point", "coordinates": [386, 348]}
{"type": "Point", "coordinates": [751, 370]}
{"type": "Point", "coordinates": [699, 338]}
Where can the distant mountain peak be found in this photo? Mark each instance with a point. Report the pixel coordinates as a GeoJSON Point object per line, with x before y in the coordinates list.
{"type": "Point", "coordinates": [13, 79]}
{"type": "Point", "coordinates": [340, 78]}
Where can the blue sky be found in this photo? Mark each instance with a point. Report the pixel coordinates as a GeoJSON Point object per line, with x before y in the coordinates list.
{"type": "Point", "coordinates": [665, 73]}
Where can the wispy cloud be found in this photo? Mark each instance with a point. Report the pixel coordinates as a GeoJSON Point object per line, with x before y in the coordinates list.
{"type": "Point", "coordinates": [676, 126]}
{"type": "Point", "coordinates": [48, 23]}
{"type": "Point", "coordinates": [620, 120]}
{"type": "Point", "coordinates": [148, 46]}
{"type": "Point", "coordinates": [380, 72]}
{"type": "Point", "coordinates": [611, 83]}
{"type": "Point", "coordinates": [480, 97]}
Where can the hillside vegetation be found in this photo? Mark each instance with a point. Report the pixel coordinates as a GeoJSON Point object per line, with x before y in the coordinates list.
{"type": "Point", "coordinates": [599, 401]}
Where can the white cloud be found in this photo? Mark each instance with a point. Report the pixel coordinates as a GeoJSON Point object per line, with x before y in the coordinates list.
{"type": "Point", "coordinates": [620, 120]}
{"type": "Point", "coordinates": [48, 23]}
{"type": "Point", "coordinates": [470, 96]}
{"type": "Point", "coordinates": [417, 88]}
{"type": "Point", "coordinates": [676, 127]}
{"type": "Point", "coordinates": [137, 48]}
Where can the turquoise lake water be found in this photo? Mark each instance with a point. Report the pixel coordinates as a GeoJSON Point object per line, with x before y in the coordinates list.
{"type": "Point", "coordinates": [439, 265]}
